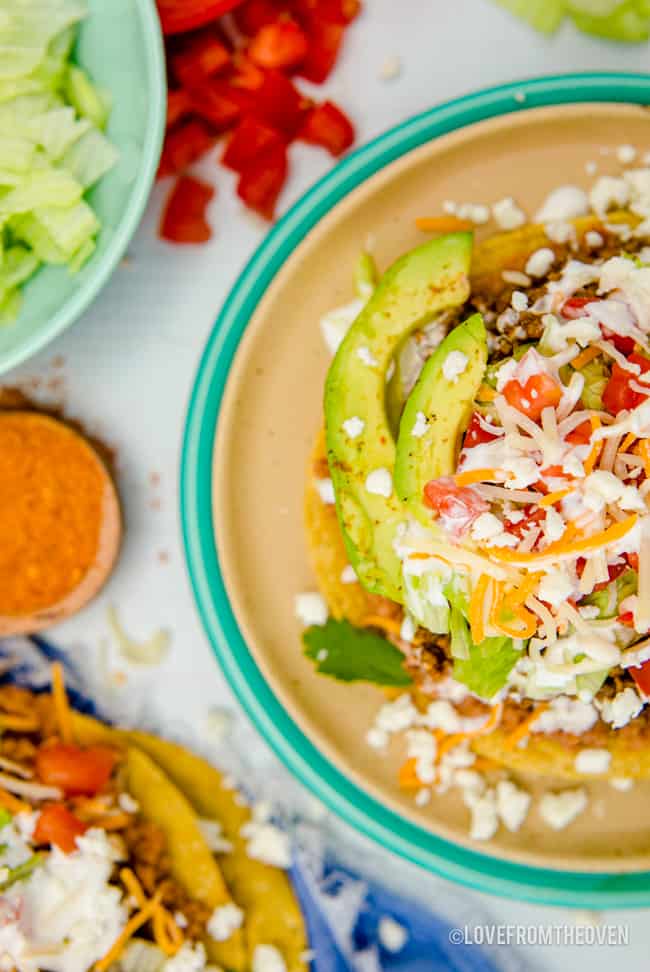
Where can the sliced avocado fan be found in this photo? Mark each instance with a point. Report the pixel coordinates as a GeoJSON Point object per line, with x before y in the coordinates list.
{"type": "Point", "coordinates": [438, 410]}
{"type": "Point", "coordinates": [422, 283]}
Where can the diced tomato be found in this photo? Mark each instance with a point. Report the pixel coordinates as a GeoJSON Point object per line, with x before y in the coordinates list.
{"type": "Point", "coordinates": [261, 181]}
{"type": "Point", "coordinates": [328, 126]}
{"type": "Point", "coordinates": [245, 74]}
{"type": "Point", "coordinates": [633, 561]}
{"type": "Point", "coordinates": [623, 344]}
{"type": "Point", "coordinates": [184, 144]}
{"type": "Point", "coordinates": [179, 104]}
{"type": "Point", "coordinates": [74, 769]}
{"type": "Point", "coordinates": [476, 434]}
{"type": "Point", "coordinates": [539, 392]}
{"type": "Point", "coordinates": [581, 435]}
{"type": "Point", "coordinates": [250, 139]}
{"type": "Point", "coordinates": [574, 306]}
{"type": "Point", "coordinates": [177, 16]}
{"type": "Point", "coordinates": [459, 505]}
{"type": "Point", "coordinates": [282, 44]}
{"type": "Point", "coordinates": [618, 394]}
{"type": "Point", "coordinates": [57, 825]}
{"type": "Point", "coordinates": [279, 103]}
{"type": "Point", "coordinates": [199, 57]}
{"type": "Point", "coordinates": [252, 15]}
{"type": "Point", "coordinates": [184, 219]}
{"type": "Point", "coordinates": [220, 103]}
{"type": "Point", "coordinates": [533, 516]}
{"type": "Point", "coordinates": [641, 676]}
{"type": "Point", "coordinates": [325, 38]}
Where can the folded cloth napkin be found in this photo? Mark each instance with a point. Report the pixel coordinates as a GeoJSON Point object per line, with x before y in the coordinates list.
{"type": "Point", "coordinates": [354, 924]}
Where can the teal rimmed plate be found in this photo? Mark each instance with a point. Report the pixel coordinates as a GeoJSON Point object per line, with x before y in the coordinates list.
{"type": "Point", "coordinates": [253, 413]}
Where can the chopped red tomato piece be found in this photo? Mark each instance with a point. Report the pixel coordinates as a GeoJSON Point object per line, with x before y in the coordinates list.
{"type": "Point", "coordinates": [220, 103]}
{"type": "Point", "coordinates": [618, 394]}
{"type": "Point", "coordinates": [282, 44]}
{"type": "Point", "coordinates": [199, 57]}
{"type": "Point", "coordinates": [251, 138]}
{"type": "Point", "coordinates": [57, 825]}
{"type": "Point", "coordinates": [252, 15]}
{"type": "Point", "coordinates": [261, 181]}
{"type": "Point", "coordinates": [539, 392]}
{"type": "Point", "coordinates": [581, 435]}
{"type": "Point", "coordinates": [459, 505]}
{"type": "Point", "coordinates": [633, 561]}
{"type": "Point", "coordinates": [476, 434]}
{"type": "Point", "coordinates": [533, 516]}
{"type": "Point", "coordinates": [74, 769]}
{"type": "Point", "coordinates": [179, 104]}
{"type": "Point", "coordinates": [574, 306]}
{"type": "Point", "coordinates": [184, 217]}
{"type": "Point", "coordinates": [246, 74]}
{"type": "Point", "coordinates": [184, 144]}
{"type": "Point", "coordinates": [622, 343]}
{"type": "Point", "coordinates": [326, 125]}
{"type": "Point", "coordinates": [325, 39]}
{"type": "Point", "coordinates": [641, 676]}
{"type": "Point", "coordinates": [177, 16]}
{"type": "Point", "coordinates": [279, 103]}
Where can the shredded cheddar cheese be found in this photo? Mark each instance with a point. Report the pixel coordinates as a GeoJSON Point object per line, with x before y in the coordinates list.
{"type": "Point", "coordinates": [567, 546]}
{"type": "Point", "coordinates": [443, 224]}
{"type": "Point", "coordinates": [585, 357]}
{"type": "Point", "coordinates": [473, 476]}
{"type": "Point", "coordinates": [12, 803]}
{"type": "Point", "coordinates": [552, 498]}
{"type": "Point", "coordinates": [61, 706]}
{"type": "Point", "coordinates": [524, 728]}
{"type": "Point", "coordinates": [477, 609]}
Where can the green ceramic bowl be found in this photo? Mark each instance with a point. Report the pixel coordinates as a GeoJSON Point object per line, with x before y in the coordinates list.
{"type": "Point", "coordinates": [350, 801]}
{"type": "Point", "coordinates": [120, 45]}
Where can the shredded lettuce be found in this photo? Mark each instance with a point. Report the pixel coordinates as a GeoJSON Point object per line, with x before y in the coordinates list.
{"type": "Point", "coordinates": [426, 602]}
{"type": "Point", "coordinates": [619, 20]}
{"type": "Point", "coordinates": [52, 147]}
{"type": "Point", "coordinates": [486, 670]}
{"type": "Point", "coordinates": [608, 599]}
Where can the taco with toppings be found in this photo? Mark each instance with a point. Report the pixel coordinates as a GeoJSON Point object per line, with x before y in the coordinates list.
{"type": "Point", "coordinates": [107, 853]}
{"type": "Point", "coordinates": [479, 501]}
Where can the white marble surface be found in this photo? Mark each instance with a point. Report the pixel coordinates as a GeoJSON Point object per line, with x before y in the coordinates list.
{"type": "Point", "coordinates": [129, 365]}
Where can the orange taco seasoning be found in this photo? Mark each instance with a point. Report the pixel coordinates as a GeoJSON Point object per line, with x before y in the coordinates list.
{"type": "Point", "coordinates": [59, 518]}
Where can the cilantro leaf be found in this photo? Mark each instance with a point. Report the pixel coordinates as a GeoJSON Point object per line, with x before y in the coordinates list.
{"type": "Point", "coordinates": [352, 654]}
{"type": "Point", "coordinates": [486, 670]}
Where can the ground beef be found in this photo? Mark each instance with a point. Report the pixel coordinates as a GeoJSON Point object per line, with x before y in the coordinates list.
{"type": "Point", "coordinates": [502, 341]}
{"type": "Point", "coordinates": [147, 851]}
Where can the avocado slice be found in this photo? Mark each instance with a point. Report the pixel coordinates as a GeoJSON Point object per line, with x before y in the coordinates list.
{"type": "Point", "coordinates": [419, 285]}
{"type": "Point", "coordinates": [447, 406]}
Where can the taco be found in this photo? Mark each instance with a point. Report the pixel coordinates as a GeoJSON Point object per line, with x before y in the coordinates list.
{"type": "Point", "coordinates": [487, 424]}
{"type": "Point", "coordinates": [108, 860]}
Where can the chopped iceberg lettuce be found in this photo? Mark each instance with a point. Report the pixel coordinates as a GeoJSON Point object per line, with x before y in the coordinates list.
{"type": "Point", "coordinates": [486, 670]}
{"type": "Point", "coordinates": [52, 149]}
{"type": "Point", "coordinates": [620, 20]}
{"type": "Point", "coordinates": [426, 602]}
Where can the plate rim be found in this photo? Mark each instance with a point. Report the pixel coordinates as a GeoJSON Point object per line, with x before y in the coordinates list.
{"type": "Point", "coordinates": [81, 299]}
{"type": "Point", "coordinates": [354, 805]}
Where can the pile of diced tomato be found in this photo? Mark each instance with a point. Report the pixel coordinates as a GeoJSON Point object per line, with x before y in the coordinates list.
{"type": "Point", "coordinates": [236, 77]}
